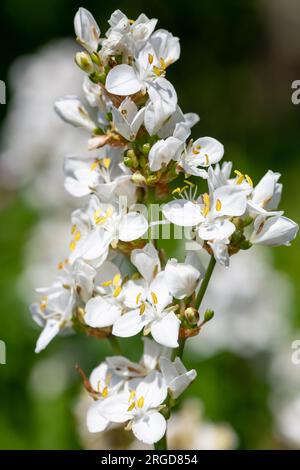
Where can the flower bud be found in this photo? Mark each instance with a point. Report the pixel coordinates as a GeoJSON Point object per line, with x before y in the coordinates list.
{"type": "Point", "coordinates": [192, 315]}
{"type": "Point", "coordinates": [146, 149]}
{"type": "Point", "coordinates": [138, 179]}
{"type": "Point", "coordinates": [130, 159]}
{"type": "Point", "coordinates": [209, 314]}
{"type": "Point", "coordinates": [84, 61]}
{"type": "Point", "coordinates": [95, 58]}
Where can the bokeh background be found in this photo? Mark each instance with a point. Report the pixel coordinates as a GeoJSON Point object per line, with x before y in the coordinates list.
{"type": "Point", "coordinates": [239, 59]}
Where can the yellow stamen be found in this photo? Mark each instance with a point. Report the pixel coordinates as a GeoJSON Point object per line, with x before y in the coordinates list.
{"type": "Point", "coordinates": [106, 283]}
{"type": "Point", "coordinates": [249, 180]}
{"type": "Point", "coordinates": [176, 190]}
{"type": "Point", "coordinates": [196, 152]}
{"type": "Point", "coordinates": [106, 162]}
{"type": "Point", "coordinates": [206, 159]}
{"type": "Point", "coordinates": [154, 298]}
{"type": "Point", "coordinates": [190, 183]}
{"type": "Point", "coordinates": [240, 177]}
{"type": "Point", "coordinates": [157, 70]}
{"type": "Point", "coordinates": [77, 235]}
{"type": "Point", "coordinates": [73, 229]}
{"type": "Point", "coordinates": [60, 265]}
{"type": "Point", "coordinates": [109, 212]}
{"type": "Point", "coordinates": [162, 63]}
{"type": "Point", "coordinates": [206, 199]}
{"type": "Point", "coordinates": [218, 205]}
{"type": "Point", "coordinates": [198, 147]}
{"type": "Point", "coordinates": [105, 392]}
{"type": "Point", "coordinates": [140, 402]}
{"type": "Point", "coordinates": [108, 378]}
{"type": "Point", "coordinates": [130, 407]}
{"type": "Point", "coordinates": [94, 165]}
{"type": "Point", "coordinates": [150, 58]}
{"type": "Point", "coordinates": [142, 308]}
{"type": "Point", "coordinates": [72, 245]}
{"type": "Point", "coordinates": [131, 396]}
{"type": "Point", "coordinates": [138, 298]}
{"type": "Point", "coordinates": [117, 291]}
{"type": "Point", "coordinates": [116, 280]}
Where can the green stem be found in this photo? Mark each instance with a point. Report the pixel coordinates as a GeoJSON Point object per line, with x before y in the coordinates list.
{"type": "Point", "coordinates": [205, 282]}
{"type": "Point", "coordinates": [115, 345]}
{"type": "Point", "coordinates": [162, 444]}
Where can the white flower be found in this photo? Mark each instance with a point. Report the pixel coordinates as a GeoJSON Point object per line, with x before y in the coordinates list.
{"type": "Point", "coordinates": [163, 151]}
{"type": "Point", "coordinates": [202, 153]}
{"type": "Point", "coordinates": [105, 383]}
{"type": "Point", "coordinates": [103, 175]}
{"type": "Point", "coordinates": [182, 278]}
{"type": "Point", "coordinates": [126, 37]}
{"type": "Point", "coordinates": [147, 261]}
{"type": "Point", "coordinates": [53, 313]}
{"type": "Point", "coordinates": [139, 405]}
{"type": "Point", "coordinates": [177, 377]}
{"type": "Point", "coordinates": [147, 304]}
{"type": "Point", "coordinates": [103, 225]}
{"type": "Point", "coordinates": [104, 309]}
{"type": "Point", "coordinates": [274, 231]}
{"type": "Point", "coordinates": [266, 196]}
{"type": "Point", "coordinates": [128, 119]}
{"type": "Point", "coordinates": [71, 110]}
{"type": "Point", "coordinates": [189, 119]}
{"type": "Point", "coordinates": [86, 30]}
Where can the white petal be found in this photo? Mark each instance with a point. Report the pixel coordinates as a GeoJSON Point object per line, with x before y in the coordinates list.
{"type": "Point", "coordinates": [146, 260]}
{"type": "Point", "coordinates": [153, 388]}
{"type": "Point", "coordinates": [233, 201]}
{"type": "Point", "coordinates": [149, 428]}
{"type": "Point", "coordinates": [220, 251]}
{"type": "Point", "coordinates": [264, 190]}
{"type": "Point", "coordinates": [86, 29]}
{"type": "Point", "coordinates": [181, 278]}
{"type": "Point", "coordinates": [275, 231]}
{"type": "Point", "coordinates": [129, 324]}
{"type": "Point", "coordinates": [50, 330]}
{"type": "Point", "coordinates": [182, 212]}
{"type": "Point", "coordinates": [71, 110]}
{"type": "Point", "coordinates": [163, 101]}
{"type": "Point", "coordinates": [122, 80]}
{"type": "Point", "coordinates": [211, 151]}
{"type": "Point", "coordinates": [134, 293]}
{"type": "Point", "coordinates": [94, 420]}
{"type": "Point", "coordinates": [165, 331]}
{"type": "Point", "coordinates": [159, 287]}
{"type": "Point", "coordinates": [100, 312]}
{"type": "Point", "coordinates": [152, 351]}
{"type": "Point", "coordinates": [216, 230]}
{"type": "Point", "coordinates": [132, 226]}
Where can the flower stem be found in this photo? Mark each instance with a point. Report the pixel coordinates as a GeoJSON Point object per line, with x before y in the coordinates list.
{"type": "Point", "coordinates": [115, 345]}
{"type": "Point", "coordinates": [205, 282]}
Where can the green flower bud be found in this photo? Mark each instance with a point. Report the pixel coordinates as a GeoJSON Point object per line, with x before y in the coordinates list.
{"type": "Point", "coordinates": [84, 61]}
{"type": "Point", "coordinates": [131, 159]}
{"type": "Point", "coordinates": [209, 314]}
{"type": "Point", "coordinates": [95, 58]}
{"type": "Point", "coordinates": [192, 315]}
{"type": "Point", "coordinates": [138, 179]}
{"type": "Point", "coordinates": [146, 149]}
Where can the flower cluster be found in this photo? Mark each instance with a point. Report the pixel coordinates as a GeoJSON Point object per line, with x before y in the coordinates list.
{"type": "Point", "coordinates": [115, 282]}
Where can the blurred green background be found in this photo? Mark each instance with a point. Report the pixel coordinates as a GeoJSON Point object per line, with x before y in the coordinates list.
{"type": "Point", "coordinates": [238, 60]}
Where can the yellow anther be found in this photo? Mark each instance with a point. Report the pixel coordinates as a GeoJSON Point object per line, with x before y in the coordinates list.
{"type": "Point", "coordinates": [116, 280]}
{"type": "Point", "coordinates": [117, 291]}
{"type": "Point", "coordinates": [142, 308]}
{"type": "Point", "coordinates": [195, 152]}
{"type": "Point", "coordinates": [154, 298]}
{"type": "Point", "coordinates": [190, 183]}
{"type": "Point", "coordinates": [60, 265]}
{"type": "Point", "coordinates": [138, 298]}
{"type": "Point", "coordinates": [94, 165]}
{"type": "Point", "coordinates": [108, 378]}
{"type": "Point", "coordinates": [176, 190]}
{"type": "Point", "coordinates": [249, 180]}
{"type": "Point", "coordinates": [206, 199]}
{"type": "Point", "coordinates": [106, 283]}
{"type": "Point", "coordinates": [131, 21]}
{"type": "Point", "coordinates": [162, 63]}
{"type": "Point", "coordinates": [109, 212]}
{"type": "Point", "coordinates": [130, 407]}
{"type": "Point", "coordinates": [205, 211]}
{"type": "Point", "coordinates": [150, 58]}
{"type": "Point", "coordinates": [106, 162]}
{"type": "Point", "coordinates": [72, 245]}
{"type": "Point", "coordinates": [240, 177]}
{"type": "Point", "coordinates": [198, 147]}
{"type": "Point", "coordinates": [77, 235]}
{"type": "Point", "coordinates": [131, 396]}
{"type": "Point", "coordinates": [183, 188]}
{"type": "Point", "coordinates": [73, 229]}
{"type": "Point", "coordinates": [206, 159]}
{"type": "Point", "coordinates": [104, 392]}
{"type": "Point", "coordinates": [157, 70]}
{"type": "Point", "coordinates": [43, 305]}
{"type": "Point", "coordinates": [218, 205]}
{"type": "Point", "coordinates": [140, 402]}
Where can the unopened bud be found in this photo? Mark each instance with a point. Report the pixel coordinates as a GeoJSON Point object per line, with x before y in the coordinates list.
{"type": "Point", "coordinates": [95, 58]}
{"type": "Point", "coordinates": [245, 245]}
{"type": "Point", "coordinates": [146, 149]}
{"type": "Point", "coordinates": [192, 315]}
{"type": "Point", "coordinates": [84, 61]}
{"type": "Point", "coordinates": [209, 314]}
{"type": "Point", "coordinates": [130, 159]}
{"type": "Point", "coordinates": [138, 179]}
